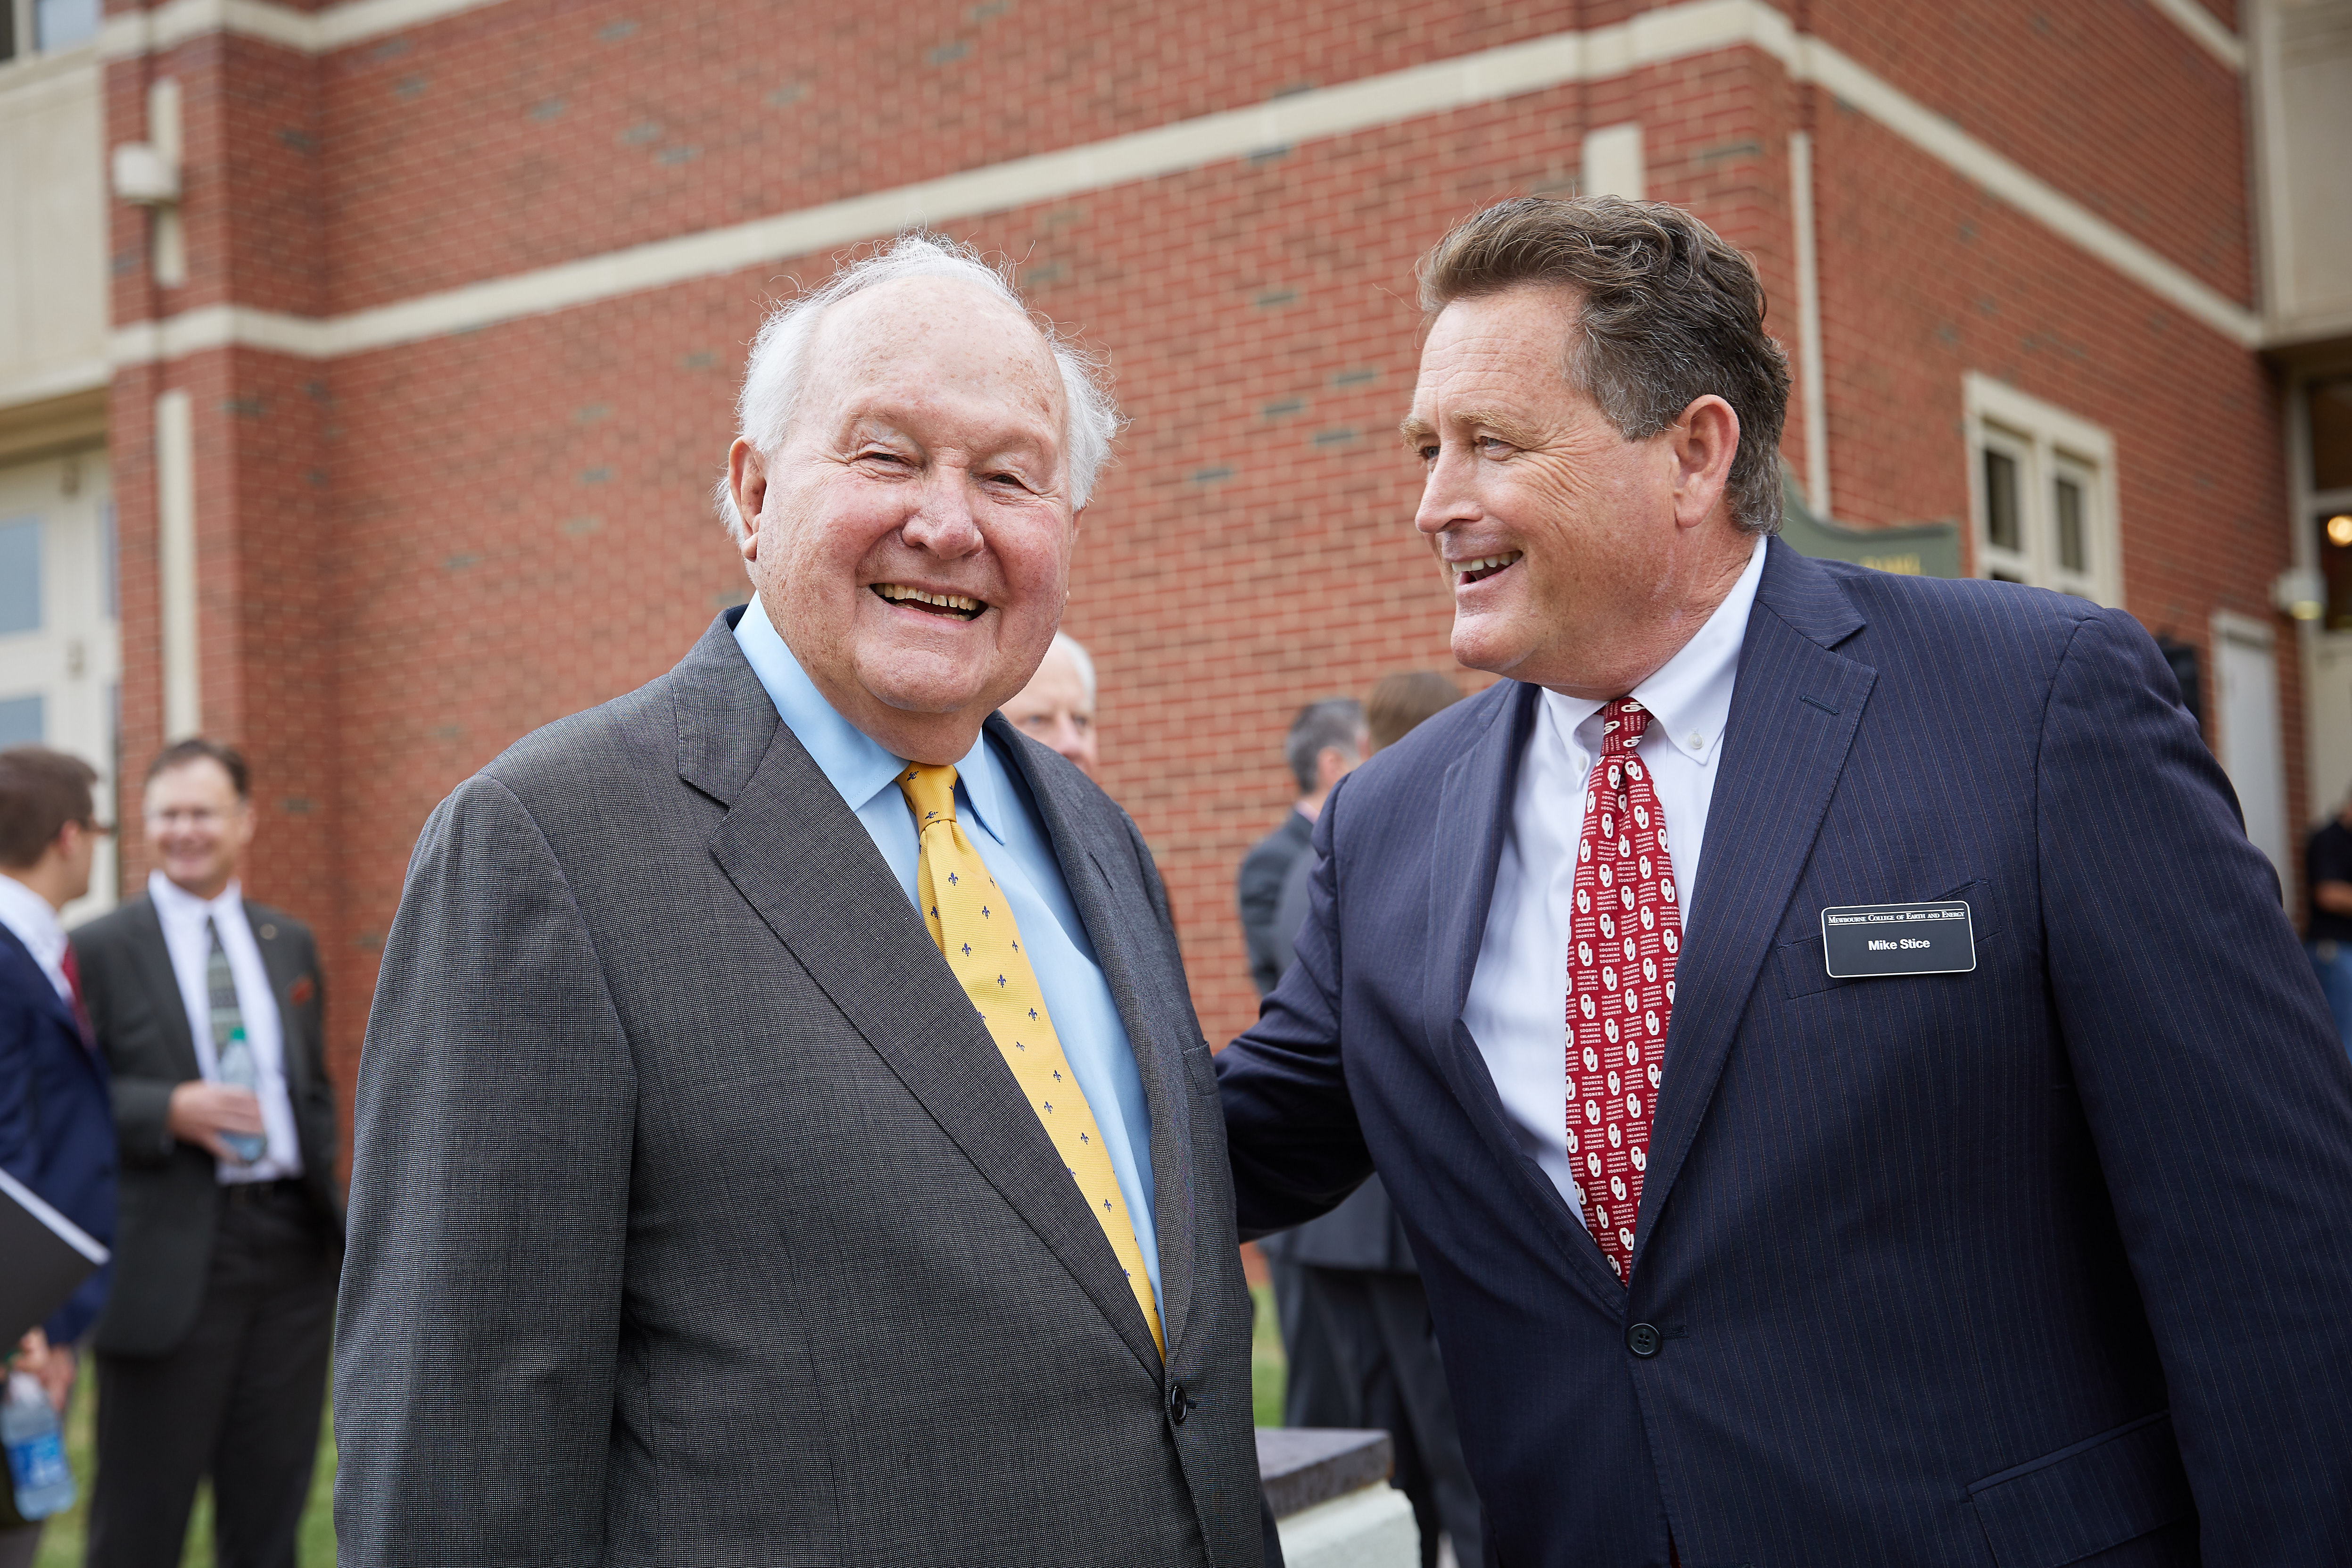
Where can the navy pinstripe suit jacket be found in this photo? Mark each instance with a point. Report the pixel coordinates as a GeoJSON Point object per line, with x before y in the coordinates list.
{"type": "Point", "coordinates": [2044, 1264]}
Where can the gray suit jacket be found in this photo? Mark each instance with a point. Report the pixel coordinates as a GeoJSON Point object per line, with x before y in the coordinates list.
{"type": "Point", "coordinates": [695, 1218]}
{"type": "Point", "coordinates": [171, 1190]}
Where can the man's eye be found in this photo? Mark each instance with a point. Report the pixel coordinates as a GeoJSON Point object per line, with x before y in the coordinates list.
{"type": "Point", "coordinates": [1428, 454]}
{"type": "Point", "coordinates": [884, 457]}
{"type": "Point", "coordinates": [1491, 445]}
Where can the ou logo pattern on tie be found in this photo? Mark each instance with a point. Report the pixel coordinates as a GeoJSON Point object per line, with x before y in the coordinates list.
{"type": "Point", "coordinates": [1623, 822]}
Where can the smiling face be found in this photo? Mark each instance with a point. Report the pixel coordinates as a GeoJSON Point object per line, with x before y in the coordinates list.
{"type": "Point", "coordinates": [1578, 560]}
{"type": "Point", "coordinates": [910, 536]}
{"type": "Point", "coordinates": [196, 826]}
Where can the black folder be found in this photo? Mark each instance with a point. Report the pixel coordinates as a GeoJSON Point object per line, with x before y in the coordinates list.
{"type": "Point", "coordinates": [47, 1255]}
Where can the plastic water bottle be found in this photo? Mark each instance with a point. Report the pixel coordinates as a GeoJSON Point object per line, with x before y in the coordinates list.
{"type": "Point", "coordinates": [236, 1070]}
{"type": "Point", "coordinates": [36, 1450]}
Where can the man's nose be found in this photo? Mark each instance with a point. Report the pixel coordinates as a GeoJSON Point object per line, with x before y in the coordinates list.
{"type": "Point", "coordinates": [1446, 496]}
{"type": "Point", "coordinates": [944, 524]}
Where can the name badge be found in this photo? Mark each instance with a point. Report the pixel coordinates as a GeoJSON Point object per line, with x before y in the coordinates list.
{"type": "Point", "coordinates": [1859, 941]}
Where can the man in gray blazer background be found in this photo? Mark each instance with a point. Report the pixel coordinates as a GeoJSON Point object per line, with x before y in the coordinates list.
{"type": "Point", "coordinates": [745, 1174]}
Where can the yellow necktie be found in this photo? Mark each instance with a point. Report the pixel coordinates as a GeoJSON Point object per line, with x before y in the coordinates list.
{"type": "Point", "coordinates": [969, 919]}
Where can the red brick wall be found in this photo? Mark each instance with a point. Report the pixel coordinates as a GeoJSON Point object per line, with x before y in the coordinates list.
{"type": "Point", "coordinates": [417, 553]}
{"type": "Point", "coordinates": [2115, 105]}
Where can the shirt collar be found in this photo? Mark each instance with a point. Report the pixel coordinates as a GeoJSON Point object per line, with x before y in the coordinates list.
{"type": "Point", "coordinates": [175, 902]}
{"type": "Point", "coordinates": [858, 766]}
{"type": "Point", "coordinates": [28, 914]}
{"type": "Point", "coordinates": [1689, 696]}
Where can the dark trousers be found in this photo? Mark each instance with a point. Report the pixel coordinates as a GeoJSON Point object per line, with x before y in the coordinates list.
{"type": "Point", "coordinates": [239, 1400]}
{"type": "Point", "coordinates": [1362, 1355]}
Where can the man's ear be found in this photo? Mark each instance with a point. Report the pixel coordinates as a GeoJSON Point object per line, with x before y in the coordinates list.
{"type": "Point", "coordinates": [747, 482]}
{"type": "Point", "coordinates": [1703, 442]}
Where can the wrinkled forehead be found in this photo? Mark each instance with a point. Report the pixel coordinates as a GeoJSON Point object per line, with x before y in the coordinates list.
{"type": "Point", "coordinates": [926, 339]}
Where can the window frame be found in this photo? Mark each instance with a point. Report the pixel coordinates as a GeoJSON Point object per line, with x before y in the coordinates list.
{"type": "Point", "coordinates": [23, 33]}
{"type": "Point", "coordinates": [2049, 445]}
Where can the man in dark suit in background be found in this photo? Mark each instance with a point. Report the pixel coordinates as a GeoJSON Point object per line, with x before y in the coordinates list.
{"type": "Point", "coordinates": [57, 1136]}
{"type": "Point", "coordinates": [784, 1135]}
{"type": "Point", "coordinates": [213, 1351]}
{"type": "Point", "coordinates": [1355, 1320]}
{"type": "Point", "coordinates": [1325, 740]}
{"type": "Point", "coordinates": [1970, 1187]}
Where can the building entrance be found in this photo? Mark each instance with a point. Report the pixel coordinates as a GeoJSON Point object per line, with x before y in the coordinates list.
{"type": "Point", "coordinates": [60, 646]}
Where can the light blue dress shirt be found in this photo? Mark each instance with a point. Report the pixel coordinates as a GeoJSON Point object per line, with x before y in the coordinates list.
{"type": "Point", "coordinates": [993, 805]}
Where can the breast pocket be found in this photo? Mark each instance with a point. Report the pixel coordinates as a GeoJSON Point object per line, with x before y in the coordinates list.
{"type": "Point", "coordinates": [1202, 1070]}
{"type": "Point", "coordinates": [1804, 972]}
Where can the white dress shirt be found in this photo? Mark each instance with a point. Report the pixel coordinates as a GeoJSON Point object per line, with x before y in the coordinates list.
{"type": "Point", "coordinates": [1518, 1008]}
{"type": "Point", "coordinates": [183, 915]}
{"type": "Point", "coordinates": [26, 913]}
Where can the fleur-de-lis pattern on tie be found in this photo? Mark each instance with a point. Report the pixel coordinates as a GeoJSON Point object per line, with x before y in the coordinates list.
{"type": "Point", "coordinates": [1623, 937]}
{"type": "Point", "coordinates": [975, 932]}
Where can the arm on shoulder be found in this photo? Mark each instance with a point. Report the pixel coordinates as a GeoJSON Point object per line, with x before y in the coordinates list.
{"type": "Point", "coordinates": [1290, 1125]}
{"type": "Point", "coordinates": [479, 1319]}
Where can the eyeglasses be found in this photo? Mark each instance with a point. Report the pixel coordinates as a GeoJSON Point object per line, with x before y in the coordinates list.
{"type": "Point", "coordinates": [96, 828]}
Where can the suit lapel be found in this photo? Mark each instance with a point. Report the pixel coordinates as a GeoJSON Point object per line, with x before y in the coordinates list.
{"type": "Point", "coordinates": [803, 860]}
{"type": "Point", "coordinates": [46, 995]}
{"type": "Point", "coordinates": [1474, 802]}
{"type": "Point", "coordinates": [284, 967]}
{"type": "Point", "coordinates": [1793, 716]}
{"type": "Point", "coordinates": [1155, 1032]}
{"type": "Point", "coordinates": [153, 957]}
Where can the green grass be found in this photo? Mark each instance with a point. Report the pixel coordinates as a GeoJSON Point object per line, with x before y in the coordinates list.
{"type": "Point", "coordinates": [1269, 1367]}
{"type": "Point", "coordinates": [62, 1541]}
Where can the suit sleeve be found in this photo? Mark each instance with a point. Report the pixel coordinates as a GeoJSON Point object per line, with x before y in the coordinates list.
{"type": "Point", "coordinates": [20, 1120]}
{"type": "Point", "coordinates": [142, 1106]}
{"type": "Point", "coordinates": [1290, 1125]}
{"type": "Point", "coordinates": [2216, 1094]}
{"type": "Point", "coordinates": [1257, 891]}
{"type": "Point", "coordinates": [481, 1313]}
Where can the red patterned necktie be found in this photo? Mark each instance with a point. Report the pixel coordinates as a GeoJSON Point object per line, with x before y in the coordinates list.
{"type": "Point", "coordinates": [1622, 941]}
{"type": "Point", "coordinates": [72, 971]}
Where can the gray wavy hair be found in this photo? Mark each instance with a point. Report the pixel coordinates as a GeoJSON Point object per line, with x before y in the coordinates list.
{"type": "Point", "coordinates": [773, 377]}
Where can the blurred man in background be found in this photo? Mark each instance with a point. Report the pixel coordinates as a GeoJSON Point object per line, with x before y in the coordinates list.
{"type": "Point", "coordinates": [214, 1347]}
{"type": "Point", "coordinates": [1325, 740]}
{"type": "Point", "coordinates": [2327, 936]}
{"type": "Point", "coordinates": [1355, 1320]}
{"type": "Point", "coordinates": [56, 1135]}
{"type": "Point", "coordinates": [1057, 706]}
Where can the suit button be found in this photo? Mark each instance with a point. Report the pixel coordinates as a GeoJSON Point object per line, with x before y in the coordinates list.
{"type": "Point", "coordinates": [1179, 1404]}
{"type": "Point", "coordinates": [1643, 1340]}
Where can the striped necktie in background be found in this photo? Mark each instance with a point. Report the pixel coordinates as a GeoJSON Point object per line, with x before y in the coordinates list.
{"type": "Point", "coordinates": [232, 1055]}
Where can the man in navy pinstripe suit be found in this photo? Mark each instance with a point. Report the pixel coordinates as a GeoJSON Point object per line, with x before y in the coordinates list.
{"type": "Point", "coordinates": [1990, 1199]}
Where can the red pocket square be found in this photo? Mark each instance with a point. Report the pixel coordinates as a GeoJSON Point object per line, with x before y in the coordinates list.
{"type": "Point", "coordinates": [302, 991]}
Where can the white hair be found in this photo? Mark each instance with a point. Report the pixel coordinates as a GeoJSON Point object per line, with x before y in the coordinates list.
{"type": "Point", "coordinates": [1069, 645]}
{"type": "Point", "coordinates": [773, 377]}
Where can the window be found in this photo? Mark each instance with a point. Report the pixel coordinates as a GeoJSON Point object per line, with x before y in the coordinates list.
{"type": "Point", "coordinates": [2041, 487]}
{"type": "Point", "coordinates": [20, 721]}
{"type": "Point", "coordinates": [20, 575]}
{"type": "Point", "coordinates": [2328, 481]}
{"type": "Point", "coordinates": [46, 26]}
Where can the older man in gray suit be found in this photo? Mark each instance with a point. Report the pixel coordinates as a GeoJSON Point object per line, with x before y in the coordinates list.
{"type": "Point", "coordinates": [783, 1135]}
